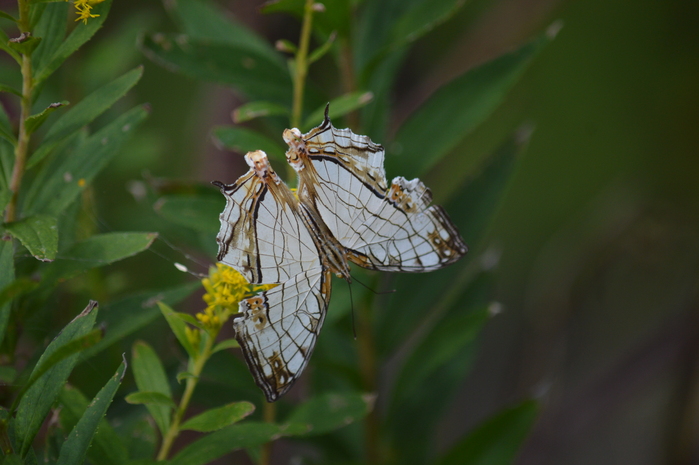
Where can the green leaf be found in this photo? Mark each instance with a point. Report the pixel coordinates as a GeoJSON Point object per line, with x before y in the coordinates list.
{"type": "Point", "coordinates": [8, 136]}
{"type": "Point", "coordinates": [177, 325]}
{"type": "Point", "coordinates": [96, 251]}
{"type": "Point", "coordinates": [12, 90]}
{"type": "Point", "coordinates": [150, 377]}
{"type": "Point", "coordinates": [76, 445]}
{"type": "Point", "coordinates": [85, 112]}
{"type": "Point", "coordinates": [329, 412]}
{"type": "Point", "coordinates": [24, 44]}
{"type": "Point", "coordinates": [7, 16]}
{"type": "Point", "coordinates": [230, 438]}
{"type": "Point", "coordinates": [150, 398]}
{"type": "Point", "coordinates": [134, 312]}
{"type": "Point", "coordinates": [52, 27]}
{"type": "Point", "coordinates": [253, 110]}
{"type": "Point", "coordinates": [223, 345]}
{"type": "Point", "coordinates": [5, 197]}
{"type": "Point", "coordinates": [39, 234]}
{"type": "Point", "coordinates": [422, 18]}
{"type": "Point", "coordinates": [203, 20]}
{"type": "Point", "coordinates": [7, 277]}
{"type": "Point", "coordinates": [36, 402]}
{"type": "Point", "coordinates": [16, 288]}
{"type": "Point", "coordinates": [217, 418]}
{"type": "Point", "coordinates": [61, 353]}
{"type": "Point", "coordinates": [456, 109]}
{"type": "Point", "coordinates": [107, 447]}
{"type": "Point", "coordinates": [5, 45]}
{"type": "Point", "coordinates": [196, 212]}
{"type": "Point", "coordinates": [34, 122]}
{"type": "Point", "coordinates": [81, 34]}
{"type": "Point", "coordinates": [13, 459]}
{"type": "Point", "coordinates": [185, 375]}
{"type": "Point", "coordinates": [254, 74]}
{"type": "Point", "coordinates": [339, 107]}
{"type": "Point", "coordinates": [67, 177]}
{"type": "Point", "coordinates": [497, 440]}
{"type": "Point", "coordinates": [318, 53]}
{"type": "Point", "coordinates": [243, 140]}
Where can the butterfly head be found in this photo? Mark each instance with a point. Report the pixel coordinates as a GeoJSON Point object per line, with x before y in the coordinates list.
{"type": "Point", "coordinates": [297, 148]}
{"type": "Point", "coordinates": [259, 162]}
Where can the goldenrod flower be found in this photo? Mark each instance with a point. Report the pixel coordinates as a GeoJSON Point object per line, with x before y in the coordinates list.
{"type": "Point", "coordinates": [225, 288]}
{"type": "Point", "coordinates": [83, 8]}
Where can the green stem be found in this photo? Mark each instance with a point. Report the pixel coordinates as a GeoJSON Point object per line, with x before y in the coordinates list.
{"type": "Point", "coordinates": [269, 414]}
{"type": "Point", "coordinates": [301, 65]}
{"type": "Point", "coordinates": [192, 381]}
{"type": "Point", "coordinates": [22, 147]}
{"type": "Point", "coordinates": [368, 372]}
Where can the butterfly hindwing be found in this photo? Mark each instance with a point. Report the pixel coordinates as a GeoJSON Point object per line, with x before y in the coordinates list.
{"type": "Point", "coordinates": [279, 328]}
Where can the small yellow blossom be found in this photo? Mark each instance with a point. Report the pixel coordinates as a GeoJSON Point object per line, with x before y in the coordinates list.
{"type": "Point", "coordinates": [81, 182]}
{"type": "Point", "coordinates": [83, 8]}
{"type": "Point", "coordinates": [225, 288]}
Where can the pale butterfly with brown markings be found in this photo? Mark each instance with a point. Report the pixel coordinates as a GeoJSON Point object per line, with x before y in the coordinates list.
{"type": "Point", "coordinates": [344, 212]}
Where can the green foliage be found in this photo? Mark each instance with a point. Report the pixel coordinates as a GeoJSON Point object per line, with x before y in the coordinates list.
{"type": "Point", "coordinates": [62, 190]}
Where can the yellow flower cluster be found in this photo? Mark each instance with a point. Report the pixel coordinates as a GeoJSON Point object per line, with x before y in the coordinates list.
{"type": "Point", "coordinates": [83, 8]}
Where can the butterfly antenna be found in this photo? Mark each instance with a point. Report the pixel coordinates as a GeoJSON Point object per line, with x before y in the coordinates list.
{"type": "Point", "coordinates": [372, 290]}
{"type": "Point", "coordinates": [354, 327]}
{"type": "Point", "coordinates": [98, 220]}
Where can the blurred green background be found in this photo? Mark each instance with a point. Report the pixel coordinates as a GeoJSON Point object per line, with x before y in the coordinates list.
{"type": "Point", "coordinates": [597, 237]}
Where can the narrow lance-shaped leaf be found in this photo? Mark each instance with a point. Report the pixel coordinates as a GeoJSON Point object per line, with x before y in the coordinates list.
{"type": "Point", "coordinates": [96, 251]}
{"type": "Point", "coordinates": [61, 353]}
{"type": "Point", "coordinates": [75, 447]}
{"type": "Point", "coordinates": [454, 110]}
{"type": "Point", "coordinates": [206, 21]}
{"type": "Point", "coordinates": [12, 90]}
{"type": "Point", "coordinates": [177, 325]}
{"type": "Point", "coordinates": [51, 27]}
{"type": "Point", "coordinates": [134, 312]}
{"type": "Point", "coordinates": [81, 34]}
{"type": "Point", "coordinates": [497, 440]}
{"type": "Point", "coordinates": [38, 233]}
{"type": "Point", "coordinates": [67, 178]}
{"type": "Point", "coordinates": [329, 412]}
{"type": "Point", "coordinates": [339, 107]}
{"type": "Point", "coordinates": [107, 447]}
{"type": "Point", "coordinates": [230, 438]}
{"type": "Point", "coordinates": [24, 44]}
{"type": "Point", "coordinates": [217, 418]}
{"type": "Point", "coordinates": [7, 276]}
{"type": "Point", "coordinates": [150, 398]}
{"type": "Point", "coordinates": [85, 112]}
{"type": "Point", "coordinates": [254, 74]}
{"type": "Point", "coordinates": [252, 110]}
{"type": "Point", "coordinates": [34, 122]}
{"type": "Point", "coordinates": [150, 377]}
{"type": "Point", "coordinates": [36, 402]}
{"type": "Point", "coordinates": [4, 45]}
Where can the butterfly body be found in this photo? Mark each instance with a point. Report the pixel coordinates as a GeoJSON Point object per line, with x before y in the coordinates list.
{"type": "Point", "coordinates": [345, 212]}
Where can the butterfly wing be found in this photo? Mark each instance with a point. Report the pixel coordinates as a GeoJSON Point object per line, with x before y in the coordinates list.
{"type": "Point", "coordinates": [279, 328]}
{"type": "Point", "coordinates": [262, 235]}
{"type": "Point", "coordinates": [341, 176]}
{"type": "Point", "coordinates": [265, 235]}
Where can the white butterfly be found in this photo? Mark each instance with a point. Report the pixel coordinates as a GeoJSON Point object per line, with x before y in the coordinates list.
{"type": "Point", "coordinates": [344, 213]}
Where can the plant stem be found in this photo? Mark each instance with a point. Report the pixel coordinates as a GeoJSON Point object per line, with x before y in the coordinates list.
{"type": "Point", "coordinates": [22, 147]}
{"type": "Point", "coordinates": [192, 381]}
{"type": "Point", "coordinates": [368, 371]}
{"type": "Point", "coordinates": [301, 65]}
{"type": "Point", "coordinates": [269, 413]}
